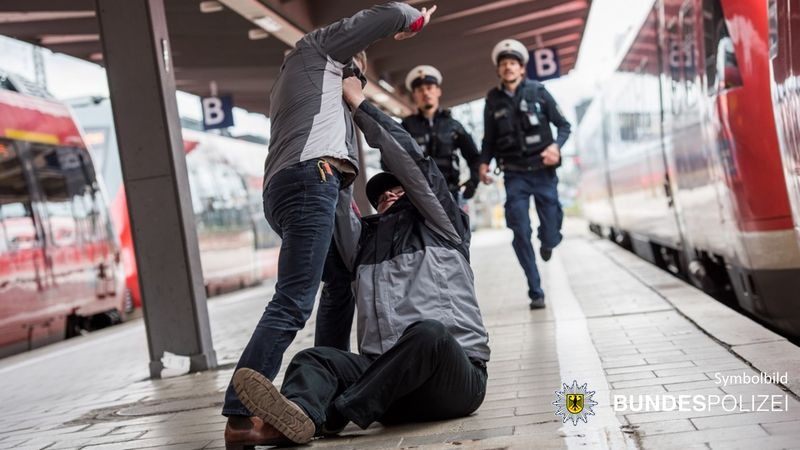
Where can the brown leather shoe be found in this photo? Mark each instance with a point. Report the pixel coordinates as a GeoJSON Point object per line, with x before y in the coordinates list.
{"type": "Point", "coordinates": [245, 432]}
{"type": "Point", "coordinates": [264, 400]}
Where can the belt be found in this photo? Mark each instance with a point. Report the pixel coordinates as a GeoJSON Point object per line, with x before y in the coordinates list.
{"type": "Point", "coordinates": [520, 168]}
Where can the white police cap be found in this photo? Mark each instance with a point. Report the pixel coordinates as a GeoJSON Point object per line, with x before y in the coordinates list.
{"type": "Point", "coordinates": [510, 47]}
{"type": "Point", "coordinates": [422, 74]}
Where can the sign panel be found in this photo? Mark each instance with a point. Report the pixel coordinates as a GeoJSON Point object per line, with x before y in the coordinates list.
{"type": "Point", "coordinates": [543, 64]}
{"type": "Point", "coordinates": [217, 112]}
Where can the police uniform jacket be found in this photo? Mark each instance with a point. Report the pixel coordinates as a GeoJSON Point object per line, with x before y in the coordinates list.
{"type": "Point", "coordinates": [308, 116]}
{"type": "Point", "coordinates": [517, 128]}
{"type": "Point", "coordinates": [411, 262]}
{"type": "Point", "coordinates": [440, 140]}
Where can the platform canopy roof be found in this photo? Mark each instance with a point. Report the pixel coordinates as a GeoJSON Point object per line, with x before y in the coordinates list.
{"type": "Point", "coordinates": [240, 44]}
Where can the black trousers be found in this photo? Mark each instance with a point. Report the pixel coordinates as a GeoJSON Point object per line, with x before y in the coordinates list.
{"type": "Point", "coordinates": [425, 376]}
{"type": "Point", "coordinates": [336, 304]}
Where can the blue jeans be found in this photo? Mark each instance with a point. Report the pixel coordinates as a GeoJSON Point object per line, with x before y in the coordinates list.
{"type": "Point", "coordinates": [520, 186]}
{"type": "Point", "coordinates": [299, 205]}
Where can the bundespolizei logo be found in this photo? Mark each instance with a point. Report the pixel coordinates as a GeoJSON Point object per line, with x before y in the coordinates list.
{"type": "Point", "coordinates": [574, 403]}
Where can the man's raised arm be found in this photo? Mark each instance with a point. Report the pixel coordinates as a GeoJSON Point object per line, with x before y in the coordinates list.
{"type": "Point", "coordinates": [343, 39]}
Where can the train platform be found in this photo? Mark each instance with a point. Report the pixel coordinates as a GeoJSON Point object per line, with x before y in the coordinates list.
{"type": "Point", "coordinates": [664, 366]}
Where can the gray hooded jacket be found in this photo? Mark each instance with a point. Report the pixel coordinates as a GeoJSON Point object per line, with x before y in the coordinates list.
{"type": "Point", "coordinates": [308, 116]}
{"type": "Point", "coordinates": [411, 262]}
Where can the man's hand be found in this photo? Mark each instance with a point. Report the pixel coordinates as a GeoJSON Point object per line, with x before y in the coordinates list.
{"type": "Point", "coordinates": [352, 93]}
{"type": "Point", "coordinates": [551, 155]}
{"type": "Point", "coordinates": [483, 173]}
{"type": "Point", "coordinates": [426, 13]}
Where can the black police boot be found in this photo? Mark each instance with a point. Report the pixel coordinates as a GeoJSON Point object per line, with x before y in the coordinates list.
{"type": "Point", "coordinates": [545, 253]}
{"type": "Point", "coordinates": [537, 303]}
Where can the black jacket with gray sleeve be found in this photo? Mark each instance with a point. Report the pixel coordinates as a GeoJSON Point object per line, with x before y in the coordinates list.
{"type": "Point", "coordinates": [411, 262]}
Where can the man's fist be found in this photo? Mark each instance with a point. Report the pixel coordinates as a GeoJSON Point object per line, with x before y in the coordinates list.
{"type": "Point", "coordinates": [352, 92]}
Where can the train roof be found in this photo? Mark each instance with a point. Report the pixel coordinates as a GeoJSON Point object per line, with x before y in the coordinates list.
{"type": "Point", "coordinates": [25, 116]}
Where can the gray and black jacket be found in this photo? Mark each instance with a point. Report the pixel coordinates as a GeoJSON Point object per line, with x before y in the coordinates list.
{"type": "Point", "coordinates": [411, 262]}
{"type": "Point", "coordinates": [308, 116]}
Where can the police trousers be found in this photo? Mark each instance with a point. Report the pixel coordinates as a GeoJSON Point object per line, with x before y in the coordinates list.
{"type": "Point", "coordinates": [542, 185]}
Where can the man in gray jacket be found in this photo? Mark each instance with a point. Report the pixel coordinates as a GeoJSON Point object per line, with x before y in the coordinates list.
{"type": "Point", "coordinates": [423, 346]}
{"type": "Point", "coordinates": [312, 156]}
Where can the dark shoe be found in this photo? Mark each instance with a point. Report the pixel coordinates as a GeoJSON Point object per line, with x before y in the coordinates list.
{"type": "Point", "coordinates": [537, 303]}
{"type": "Point", "coordinates": [261, 397]}
{"type": "Point", "coordinates": [245, 432]}
{"type": "Point", "coordinates": [546, 253]}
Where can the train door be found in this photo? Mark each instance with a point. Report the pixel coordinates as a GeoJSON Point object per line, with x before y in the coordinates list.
{"type": "Point", "coordinates": [61, 183]}
{"type": "Point", "coordinates": [784, 52]}
{"type": "Point", "coordinates": [23, 278]}
{"type": "Point", "coordinates": [694, 192]}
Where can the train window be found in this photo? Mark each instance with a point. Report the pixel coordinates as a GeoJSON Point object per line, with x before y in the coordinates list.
{"type": "Point", "coordinates": [16, 214]}
{"type": "Point", "coordinates": [63, 182]}
{"type": "Point", "coordinates": [6, 84]}
{"type": "Point", "coordinates": [689, 52]}
{"type": "Point", "coordinates": [675, 61]}
{"type": "Point", "coordinates": [722, 69]}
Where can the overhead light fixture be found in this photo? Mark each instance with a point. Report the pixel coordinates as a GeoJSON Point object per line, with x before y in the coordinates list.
{"type": "Point", "coordinates": [385, 84]}
{"type": "Point", "coordinates": [268, 23]}
{"type": "Point", "coordinates": [255, 34]}
{"type": "Point", "coordinates": [380, 97]}
{"type": "Point", "coordinates": [97, 56]}
{"type": "Point", "coordinates": [55, 39]}
{"type": "Point", "coordinates": [210, 6]}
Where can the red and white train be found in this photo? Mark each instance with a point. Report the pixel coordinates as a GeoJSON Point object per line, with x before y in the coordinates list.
{"type": "Point", "coordinates": [784, 52]}
{"type": "Point", "coordinates": [237, 246]}
{"type": "Point", "coordinates": [60, 265]}
{"type": "Point", "coordinates": [680, 154]}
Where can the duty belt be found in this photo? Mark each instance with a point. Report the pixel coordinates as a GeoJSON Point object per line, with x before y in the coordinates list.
{"type": "Point", "coordinates": [519, 167]}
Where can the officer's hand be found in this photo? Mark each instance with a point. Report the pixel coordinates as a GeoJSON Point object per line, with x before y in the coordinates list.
{"type": "Point", "coordinates": [551, 155]}
{"type": "Point", "coordinates": [352, 93]}
{"type": "Point", "coordinates": [469, 189]}
{"type": "Point", "coordinates": [426, 13]}
{"type": "Point", "coordinates": [483, 173]}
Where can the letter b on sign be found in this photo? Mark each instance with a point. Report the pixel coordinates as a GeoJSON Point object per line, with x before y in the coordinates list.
{"type": "Point", "coordinates": [543, 64]}
{"type": "Point", "coordinates": [217, 112]}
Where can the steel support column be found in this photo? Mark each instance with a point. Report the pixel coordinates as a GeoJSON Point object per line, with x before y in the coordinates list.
{"type": "Point", "coordinates": [142, 84]}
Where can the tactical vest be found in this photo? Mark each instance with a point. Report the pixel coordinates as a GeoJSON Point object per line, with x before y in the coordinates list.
{"type": "Point", "coordinates": [438, 142]}
{"type": "Point", "coordinates": [522, 129]}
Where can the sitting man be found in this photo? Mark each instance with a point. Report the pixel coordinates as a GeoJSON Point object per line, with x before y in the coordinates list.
{"type": "Point", "coordinates": [423, 346]}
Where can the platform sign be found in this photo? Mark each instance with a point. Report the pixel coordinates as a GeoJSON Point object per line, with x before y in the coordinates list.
{"type": "Point", "coordinates": [543, 64]}
{"type": "Point", "coordinates": [217, 112]}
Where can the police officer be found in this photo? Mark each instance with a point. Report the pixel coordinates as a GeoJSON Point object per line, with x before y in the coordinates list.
{"type": "Point", "coordinates": [438, 134]}
{"type": "Point", "coordinates": [517, 134]}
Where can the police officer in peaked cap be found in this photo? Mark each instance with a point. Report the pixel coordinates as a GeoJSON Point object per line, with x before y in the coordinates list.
{"type": "Point", "coordinates": [518, 135]}
{"type": "Point", "coordinates": [438, 134]}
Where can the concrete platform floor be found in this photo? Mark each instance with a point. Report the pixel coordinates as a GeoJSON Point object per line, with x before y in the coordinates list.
{"type": "Point", "coordinates": [613, 322]}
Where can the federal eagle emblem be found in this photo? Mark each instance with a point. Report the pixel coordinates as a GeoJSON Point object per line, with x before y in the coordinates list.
{"type": "Point", "coordinates": [574, 403]}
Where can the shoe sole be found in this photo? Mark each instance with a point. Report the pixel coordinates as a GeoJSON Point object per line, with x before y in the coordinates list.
{"type": "Point", "coordinates": [261, 397]}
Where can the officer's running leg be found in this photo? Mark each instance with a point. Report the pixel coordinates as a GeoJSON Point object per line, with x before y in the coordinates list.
{"type": "Point", "coordinates": [518, 219]}
{"type": "Point", "coordinates": [548, 208]}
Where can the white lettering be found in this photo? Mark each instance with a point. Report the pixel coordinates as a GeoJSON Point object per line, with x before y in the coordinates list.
{"type": "Point", "coordinates": [212, 111]}
{"type": "Point", "coordinates": [545, 60]}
